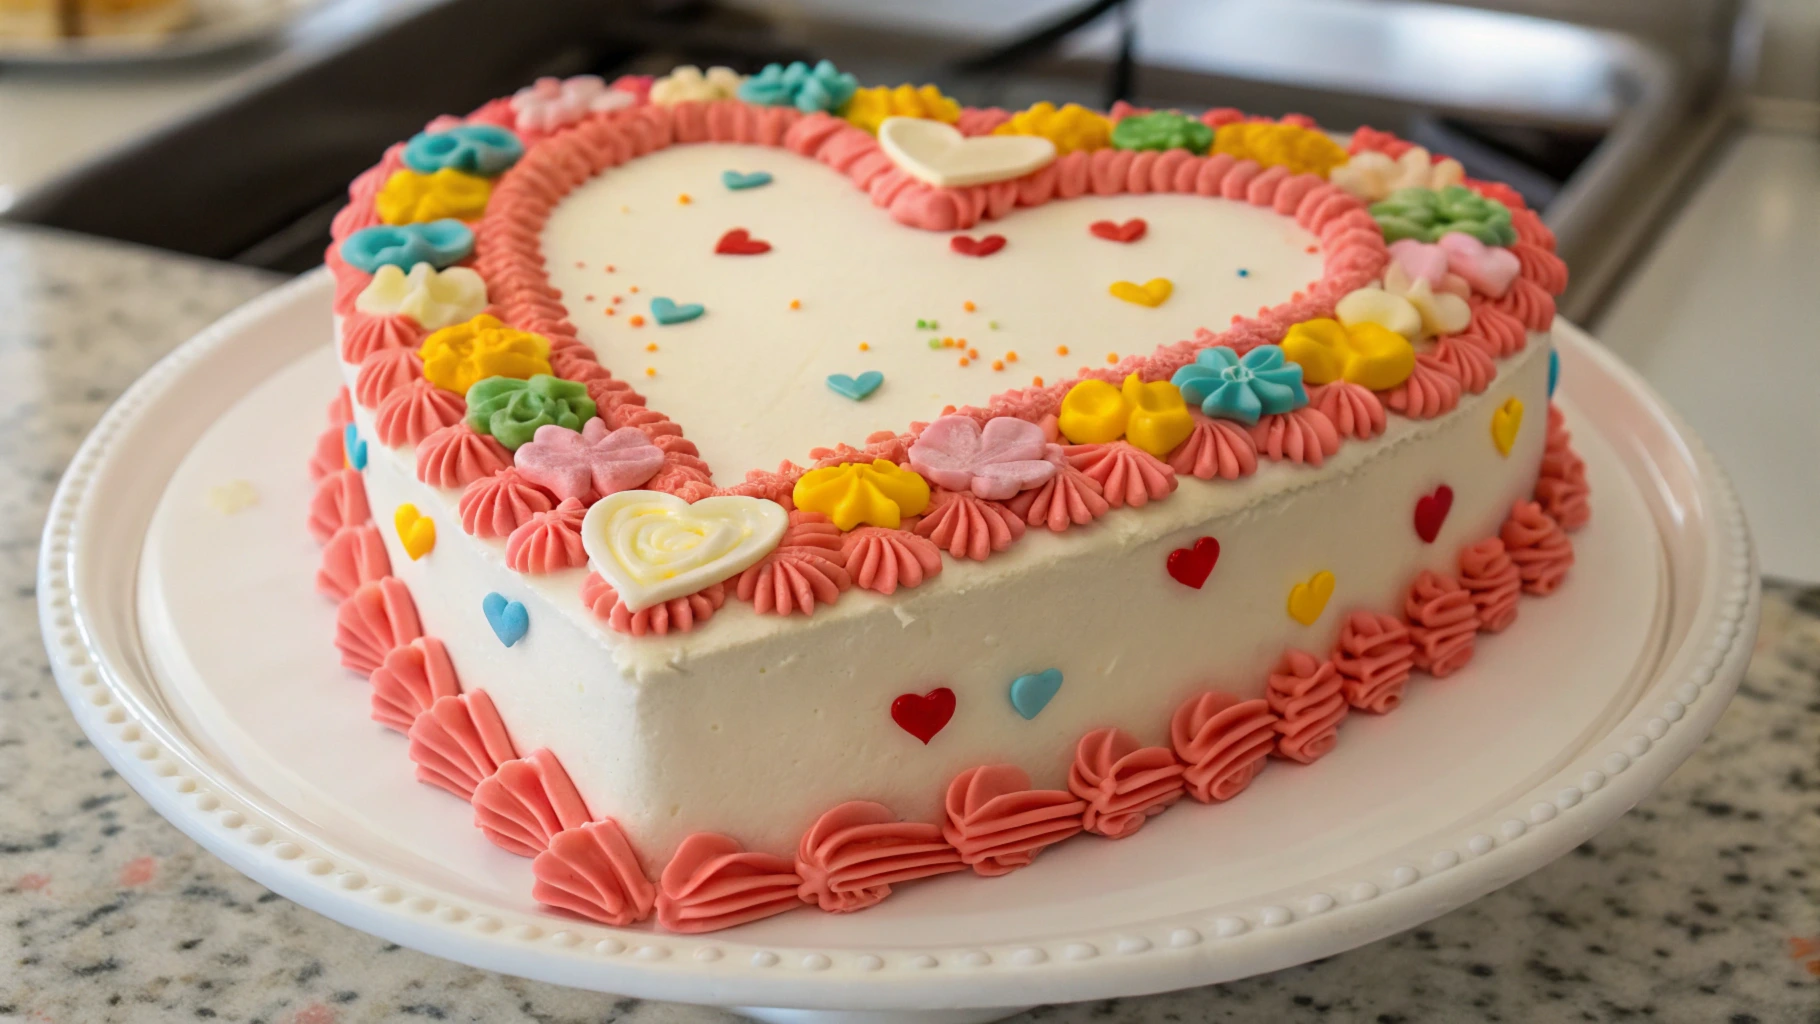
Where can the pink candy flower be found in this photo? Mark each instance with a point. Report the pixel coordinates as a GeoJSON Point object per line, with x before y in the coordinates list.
{"type": "Point", "coordinates": [995, 462]}
{"type": "Point", "coordinates": [589, 465]}
{"type": "Point", "coordinates": [552, 103]}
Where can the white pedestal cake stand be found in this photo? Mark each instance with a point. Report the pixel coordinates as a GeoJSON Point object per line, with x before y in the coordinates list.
{"type": "Point", "coordinates": [207, 678]}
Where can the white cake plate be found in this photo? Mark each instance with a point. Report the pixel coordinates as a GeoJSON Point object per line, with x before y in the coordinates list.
{"type": "Point", "coordinates": [193, 650]}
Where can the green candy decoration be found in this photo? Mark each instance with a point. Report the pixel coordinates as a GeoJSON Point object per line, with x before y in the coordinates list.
{"type": "Point", "coordinates": [1427, 214]}
{"type": "Point", "coordinates": [1164, 129]}
{"type": "Point", "coordinates": [511, 410]}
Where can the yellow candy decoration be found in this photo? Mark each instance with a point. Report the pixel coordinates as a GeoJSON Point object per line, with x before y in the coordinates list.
{"type": "Point", "coordinates": [879, 494]}
{"type": "Point", "coordinates": [410, 198]}
{"type": "Point", "coordinates": [461, 356]}
{"type": "Point", "coordinates": [1364, 353]}
{"type": "Point", "coordinates": [1093, 412]}
{"type": "Point", "coordinates": [1302, 150]}
{"type": "Point", "coordinates": [869, 107]}
{"type": "Point", "coordinates": [1159, 417]}
{"type": "Point", "coordinates": [1070, 128]}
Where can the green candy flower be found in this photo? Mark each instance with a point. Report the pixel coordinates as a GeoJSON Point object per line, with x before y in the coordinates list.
{"type": "Point", "coordinates": [1427, 214]}
{"type": "Point", "coordinates": [511, 410]}
{"type": "Point", "coordinates": [1164, 129]}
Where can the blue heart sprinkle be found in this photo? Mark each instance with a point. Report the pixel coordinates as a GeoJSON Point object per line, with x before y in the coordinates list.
{"type": "Point", "coordinates": [1554, 371]}
{"type": "Point", "coordinates": [858, 387]}
{"type": "Point", "coordinates": [354, 447]}
{"type": "Point", "coordinates": [509, 619]}
{"type": "Point", "coordinates": [751, 179]}
{"type": "Point", "coordinates": [667, 312]}
{"type": "Point", "coordinates": [1032, 693]}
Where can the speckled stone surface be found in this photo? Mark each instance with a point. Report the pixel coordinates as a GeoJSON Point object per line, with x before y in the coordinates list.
{"type": "Point", "coordinates": [1701, 905]}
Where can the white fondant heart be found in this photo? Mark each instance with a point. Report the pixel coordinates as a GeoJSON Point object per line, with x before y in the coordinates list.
{"type": "Point", "coordinates": [940, 155]}
{"type": "Point", "coordinates": [653, 546]}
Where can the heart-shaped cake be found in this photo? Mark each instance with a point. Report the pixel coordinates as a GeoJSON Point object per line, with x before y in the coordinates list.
{"type": "Point", "coordinates": [767, 450]}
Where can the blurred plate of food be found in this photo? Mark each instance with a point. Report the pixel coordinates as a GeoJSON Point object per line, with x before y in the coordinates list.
{"type": "Point", "coordinates": [122, 31]}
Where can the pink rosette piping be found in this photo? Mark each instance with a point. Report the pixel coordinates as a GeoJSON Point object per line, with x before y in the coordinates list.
{"type": "Point", "coordinates": [549, 541]}
{"type": "Point", "coordinates": [1561, 489]}
{"type": "Point", "coordinates": [340, 500]}
{"type": "Point", "coordinates": [808, 567]}
{"type": "Point", "coordinates": [1352, 409]}
{"type": "Point", "coordinates": [458, 742]}
{"type": "Point", "coordinates": [1489, 575]}
{"type": "Point", "coordinates": [1215, 448]}
{"type": "Point", "coordinates": [1443, 620]}
{"type": "Point", "coordinates": [1305, 436]}
{"type": "Point", "coordinates": [1431, 390]}
{"type": "Point", "coordinates": [414, 412]}
{"type": "Point", "coordinates": [592, 871]}
{"type": "Point", "coordinates": [855, 852]}
{"type": "Point", "coordinates": [496, 505]}
{"type": "Point", "coordinates": [1127, 474]}
{"type": "Point", "coordinates": [1307, 694]}
{"type": "Point", "coordinates": [1528, 304]}
{"type": "Point", "coordinates": [713, 883]}
{"type": "Point", "coordinates": [680, 614]}
{"type": "Point", "coordinates": [354, 555]}
{"type": "Point", "coordinates": [1225, 743]}
{"type": "Point", "coordinates": [882, 560]}
{"type": "Point", "coordinates": [527, 801]}
{"type": "Point", "coordinates": [384, 371]}
{"type": "Point", "coordinates": [1374, 657]}
{"type": "Point", "coordinates": [1468, 359]}
{"type": "Point", "coordinates": [1543, 268]}
{"type": "Point", "coordinates": [411, 679]}
{"type": "Point", "coordinates": [1069, 498]}
{"type": "Point", "coordinates": [1538, 547]}
{"type": "Point", "coordinates": [330, 453]}
{"type": "Point", "coordinates": [966, 526]}
{"type": "Point", "coordinates": [456, 456]}
{"type": "Point", "coordinates": [363, 334]}
{"type": "Point", "coordinates": [374, 619]}
{"type": "Point", "coordinates": [341, 408]}
{"type": "Point", "coordinates": [999, 824]}
{"type": "Point", "coordinates": [1501, 331]}
{"type": "Point", "coordinates": [1123, 783]}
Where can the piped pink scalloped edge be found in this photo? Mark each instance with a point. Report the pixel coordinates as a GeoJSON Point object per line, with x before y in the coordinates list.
{"type": "Point", "coordinates": [994, 822]}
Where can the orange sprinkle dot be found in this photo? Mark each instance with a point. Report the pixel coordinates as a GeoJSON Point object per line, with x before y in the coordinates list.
{"type": "Point", "coordinates": [684, 199]}
{"type": "Point", "coordinates": [1061, 350]}
{"type": "Point", "coordinates": [946, 409]}
{"type": "Point", "coordinates": [609, 311]}
{"type": "Point", "coordinates": [947, 342]}
{"type": "Point", "coordinates": [617, 299]}
{"type": "Point", "coordinates": [651, 347]}
{"type": "Point", "coordinates": [796, 303]}
{"type": "Point", "coordinates": [973, 353]}
{"type": "Point", "coordinates": [1314, 248]}
{"type": "Point", "coordinates": [587, 298]}
{"type": "Point", "coordinates": [998, 364]}
{"type": "Point", "coordinates": [965, 360]}
{"type": "Point", "coordinates": [1112, 357]}
{"type": "Point", "coordinates": [579, 265]}
{"type": "Point", "coordinates": [611, 268]}
{"type": "Point", "coordinates": [637, 321]}
{"type": "Point", "coordinates": [1037, 381]}
{"type": "Point", "coordinates": [650, 371]}
{"type": "Point", "coordinates": [1011, 357]}
{"type": "Point", "coordinates": [863, 347]}
{"type": "Point", "coordinates": [969, 306]}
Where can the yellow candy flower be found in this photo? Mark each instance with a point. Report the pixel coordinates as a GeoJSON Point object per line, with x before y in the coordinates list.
{"type": "Point", "coordinates": [1302, 150]}
{"type": "Point", "coordinates": [1070, 128]}
{"type": "Point", "coordinates": [1159, 417]}
{"type": "Point", "coordinates": [1093, 412]}
{"type": "Point", "coordinates": [880, 494]}
{"type": "Point", "coordinates": [869, 107]}
{"type": "Point", "coordinates": [1364, 353]}
{"type": "Point", "coordinates": [461, 356]}
{"type": "Point", "coordinates": [411, 198]}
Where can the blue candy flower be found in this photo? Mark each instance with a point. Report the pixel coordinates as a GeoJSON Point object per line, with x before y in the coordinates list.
{"type": "Point", "coordinates": [483, 149]}
{"type": "Point", "coordinates": [821, 88]}
{"type": "Point", "coordinates": [1262, 383]}
{"type": "Point", "coordinates": [440, 243]}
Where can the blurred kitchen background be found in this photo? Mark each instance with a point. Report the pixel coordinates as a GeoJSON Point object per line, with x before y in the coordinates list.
{"type": "Point", "coordinates": [1673, 145]}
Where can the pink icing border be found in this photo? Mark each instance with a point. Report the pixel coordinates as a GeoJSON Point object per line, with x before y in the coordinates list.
{"type": "Point", "coordinates": [995, 823]}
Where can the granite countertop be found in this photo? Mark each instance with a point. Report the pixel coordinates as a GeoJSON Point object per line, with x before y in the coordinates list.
{"type": "Point", "coordinates": [1703, 904]}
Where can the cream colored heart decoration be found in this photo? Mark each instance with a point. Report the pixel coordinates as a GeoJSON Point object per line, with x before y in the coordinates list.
{"type": "Point", "coordinates": [654, 546]}
{"type": "Point", "coordinates": [940, 155]}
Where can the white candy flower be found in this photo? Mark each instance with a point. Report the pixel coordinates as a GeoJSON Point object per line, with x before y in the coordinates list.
{"type": "Point", "coordinates": [1407, 305]}
{"type": "Point", "coordinates": [1371, 176]}
{"type": "Point", "coordinates": [688, 84]}
{"type": "Point", "coordinates": [434, 298]}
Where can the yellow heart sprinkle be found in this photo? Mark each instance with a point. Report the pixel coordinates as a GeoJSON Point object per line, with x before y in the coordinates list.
{"type": "Point", "coordinates": [1505, 423]}
{"type": "Point", "coordinates": [1308, 600]}
{"type": "Point", "coordinates": [416, 531]}
{"type": "Point", "coordinates": [1152, 293]}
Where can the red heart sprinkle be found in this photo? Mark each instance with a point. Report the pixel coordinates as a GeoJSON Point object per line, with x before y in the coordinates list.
{"type": "Point", "coordinates": [968, 246]}
{"type": "Point", "coordinates": [1431, 512]}
{"type": "Point", "coordinates": [1191, 565]}
{"type": "Point", "coordinates": [923, 715]}
{"type": "Point", "coordinates": [1130, 231]}
{"type": "Point", "coordinates": [739, 242]}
